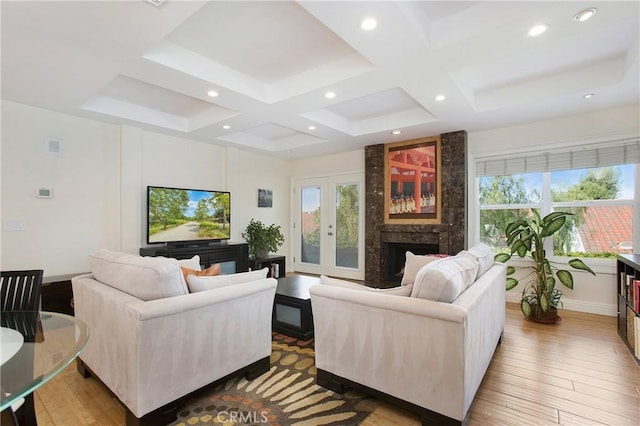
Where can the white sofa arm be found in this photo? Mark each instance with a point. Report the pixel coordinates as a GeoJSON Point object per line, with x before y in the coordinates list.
{"type": "Point", "coordinates": [151, 353]}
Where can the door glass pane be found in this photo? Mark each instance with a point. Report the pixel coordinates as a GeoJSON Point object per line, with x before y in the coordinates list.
{"type": "Point", "coordinates": [346, 231]}
{"type": "Point", "coordinates": [310, 225]}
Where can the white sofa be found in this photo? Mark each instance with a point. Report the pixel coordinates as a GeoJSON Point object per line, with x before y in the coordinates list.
{"type": "Point", "coordinates": [152, 342]}
{"type": "Point", "coordinates": [427, 356]}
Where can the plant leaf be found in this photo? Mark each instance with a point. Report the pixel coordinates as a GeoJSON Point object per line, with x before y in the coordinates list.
{"type": "Point", "coordinates": [553, 226]}
{"type": "Point", "coordinates": [579, 264]}
{"type": "Point", "coordinates": [525, 307]}
{"type": "Point", "coordinates": [514, 225]}
{"type": "Point", "coordinates": [551, 283]}
{"type": "Point", "coordinates": [513, 236]}
{"type": "Point", "coordinates": [565, 278]}
{"type": "Point", "coordinates": [553, 216]}
{"type": "Point", "coordinates": [502, 257]}
{"type": "Point", "coordinates": [544, 305]}
{"type": "Point", "coordinates": [510, 270]}
{"type": "Point", "coordinates": [511, 283]}
{"type": "Point", "coordinates": [519, 248]}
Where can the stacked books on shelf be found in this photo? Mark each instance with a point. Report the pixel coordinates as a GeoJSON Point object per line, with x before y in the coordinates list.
{"type": "Point", "coordinates": [637, 336]}
{"type": "Point", "coordinates": [630, 289]}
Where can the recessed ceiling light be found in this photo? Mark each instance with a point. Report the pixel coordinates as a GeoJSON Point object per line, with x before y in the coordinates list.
{"type": "Point", "coordinates": [330, 95]}
{"type": "Point", "coordinates": [368, 24]}
{"type": "Point", "coordinates": [311, 127]}
{"type": "Point", "coordinates": [396, 132]}
{"type": "Point", "coordinates": [588, 96]}
{"type": "Point", "coordinates": [585, 14]}
{"type": "Point", "coordinates": [212, 93]}
{"type": "Point", "coordinates": [538, 29]}
{"type": "Point", "coordinates": [226, 127]}
{"type": "Point", "coordinates": [440, 98]}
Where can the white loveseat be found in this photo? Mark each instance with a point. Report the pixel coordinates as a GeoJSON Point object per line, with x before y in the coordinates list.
{"type": "Point", "coordinates": [152, 342]}
{"type": "Point", "coordinates": [427, 356]}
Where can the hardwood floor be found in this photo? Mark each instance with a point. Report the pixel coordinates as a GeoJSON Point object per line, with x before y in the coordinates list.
{"type": "Point", "coordinates": [577, 372]}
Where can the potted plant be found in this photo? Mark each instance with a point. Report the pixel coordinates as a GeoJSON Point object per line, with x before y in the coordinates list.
{"type": "Point", "coordinates": [262, 239]}
{"type": "Point", "coordinates": [525, 237]}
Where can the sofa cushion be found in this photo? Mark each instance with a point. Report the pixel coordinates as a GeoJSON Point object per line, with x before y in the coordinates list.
{"type": "Point", "coordinates": [444, 281]}
{"type": "Point", "coordinates": [413, 263]}
{"type": "Point", "coordinates": [209, 272]}
{"type": "Point", "coordinates": [147, 278]}
{"type": "Point", "coordinates": [197, 284]}
{"type": "Point", "coordinates": [483, 254]}
{"type": "Point", "coordinates": [396, 291]}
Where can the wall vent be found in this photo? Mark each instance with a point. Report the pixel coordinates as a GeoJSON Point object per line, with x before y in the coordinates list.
{"type": "Point", "coordinates": [54, 146]}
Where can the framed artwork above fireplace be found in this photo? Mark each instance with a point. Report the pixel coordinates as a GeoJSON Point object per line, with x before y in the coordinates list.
{"type": "Point", "coordinates": [413, 181]}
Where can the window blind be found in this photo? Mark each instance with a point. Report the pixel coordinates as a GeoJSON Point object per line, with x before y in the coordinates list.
{"type": "Point", "coordinates": [593, 155]}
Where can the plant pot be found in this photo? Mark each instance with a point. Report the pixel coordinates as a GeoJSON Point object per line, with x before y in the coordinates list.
{"type": "Point", "coordinates": [261, 254]}
{"type": "Point", "coordinates": [549, 317]}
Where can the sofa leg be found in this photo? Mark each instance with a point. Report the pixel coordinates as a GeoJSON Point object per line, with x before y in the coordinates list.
{"type": "Point", "coordinates": [500, 339]}
{"type": "Point", "coordinates": [162, 416]}
{"type": "Point", "coordinates": [429, 418]}
{"type": "Point", "coordinates": [82, 369]}
{"type": "Point", "coordinates": [258, 368]}
{"type": "Point", "coordinates": [329, 381]}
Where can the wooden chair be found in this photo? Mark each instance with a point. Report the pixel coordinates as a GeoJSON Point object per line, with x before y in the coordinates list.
{"type": "Point", "coordinates": [20, 291]}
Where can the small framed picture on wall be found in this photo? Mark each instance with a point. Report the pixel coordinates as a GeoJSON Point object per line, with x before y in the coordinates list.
{"type": "Point", "coordinates": [265, 198]}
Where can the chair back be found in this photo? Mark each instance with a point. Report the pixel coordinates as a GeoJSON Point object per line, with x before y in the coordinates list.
{"type": "Point", "coordinates": [21, 290]}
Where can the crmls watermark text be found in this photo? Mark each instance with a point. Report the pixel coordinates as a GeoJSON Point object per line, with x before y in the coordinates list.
{"type": "Point", "coordinates": [243, 416]}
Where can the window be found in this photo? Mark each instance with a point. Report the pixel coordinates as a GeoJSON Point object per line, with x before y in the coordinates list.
{"type": "Point", "coordinates": [596, 184]}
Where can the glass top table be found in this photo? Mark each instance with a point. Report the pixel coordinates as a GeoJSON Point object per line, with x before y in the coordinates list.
{"type": "Point", "coordinates": [34, 347]}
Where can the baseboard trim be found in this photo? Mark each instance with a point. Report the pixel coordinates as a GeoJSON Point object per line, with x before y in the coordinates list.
{"type": "Point", "coordinates": [574, 305]}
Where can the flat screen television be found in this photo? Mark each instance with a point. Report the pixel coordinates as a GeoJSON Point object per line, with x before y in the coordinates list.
{"type": "Point", "coordinates": [180, 216]}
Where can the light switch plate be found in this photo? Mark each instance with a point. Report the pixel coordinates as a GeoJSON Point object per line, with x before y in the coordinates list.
{"type": "Point", "coordinates": [15, 225]}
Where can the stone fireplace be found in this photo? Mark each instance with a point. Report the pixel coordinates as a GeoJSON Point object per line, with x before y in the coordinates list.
{"type": "Point", "coordinates": [448, 237]}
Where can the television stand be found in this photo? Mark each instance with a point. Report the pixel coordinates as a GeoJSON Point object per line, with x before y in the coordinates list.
{"type": "Point", "coordinates": [209, 254]}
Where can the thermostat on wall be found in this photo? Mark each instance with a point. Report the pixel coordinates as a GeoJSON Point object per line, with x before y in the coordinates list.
{"type": "Point", "coordinates": [44, 193]}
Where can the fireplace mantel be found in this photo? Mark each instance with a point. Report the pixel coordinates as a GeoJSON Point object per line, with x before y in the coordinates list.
{"type": "Point", "coordinates": [449, 235]}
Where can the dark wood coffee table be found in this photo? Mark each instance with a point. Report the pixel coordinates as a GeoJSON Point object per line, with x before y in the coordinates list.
{"type": "Point", "coordinates": [292, 314]}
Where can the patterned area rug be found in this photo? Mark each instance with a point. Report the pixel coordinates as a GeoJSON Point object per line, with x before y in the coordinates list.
{"type": "Point", "coordinates": [286, 395]}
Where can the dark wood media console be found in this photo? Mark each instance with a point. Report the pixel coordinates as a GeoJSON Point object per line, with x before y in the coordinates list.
{"type": "Point", "coordinates": [209, 254]}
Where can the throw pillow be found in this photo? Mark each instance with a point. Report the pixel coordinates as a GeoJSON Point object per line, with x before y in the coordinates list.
{"type": "Point", "coordinates": [197, 284]}
{"type": "Point", "coordinates": [483, 254]}
{"type": "Point", "coordinates": [445, 281]}
{"type": "Point", "coordinates": [193, 263]}
{"type": "Point", "coordinates": [209, 272]}
{"type": "Point", "coordinates": [413, 263]}
{"type": "Point", "coordinates": [397, 291]}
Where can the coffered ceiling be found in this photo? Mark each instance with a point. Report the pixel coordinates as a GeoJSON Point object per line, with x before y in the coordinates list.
{"type": "Point", "coordinates": [272, 63]}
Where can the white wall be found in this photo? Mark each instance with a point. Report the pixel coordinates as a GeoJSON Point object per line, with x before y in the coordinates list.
{"type": "Point", "coordinates": [154, 159]}
{"type": "Point", "coordinates": [590, 294]}
{"type": "Point", "coordinates": [246, 173]}
{"type": "Point", "coordinates": [84, 211]}
{"type": "Point", "coordinates": [345, 162]}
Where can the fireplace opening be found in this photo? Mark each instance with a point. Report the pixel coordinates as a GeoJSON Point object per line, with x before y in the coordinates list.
{"type": "Point", "coordinates": [396, 256]}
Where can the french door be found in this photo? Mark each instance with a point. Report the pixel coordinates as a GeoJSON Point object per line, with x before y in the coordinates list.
{"type": "Point", "coordinates": [328, 226]}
